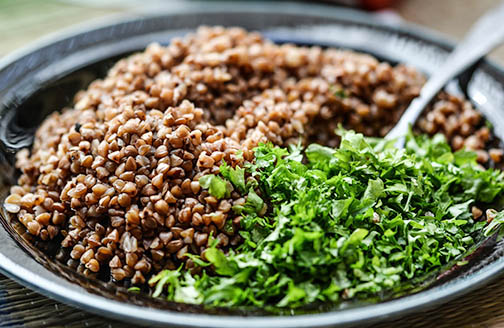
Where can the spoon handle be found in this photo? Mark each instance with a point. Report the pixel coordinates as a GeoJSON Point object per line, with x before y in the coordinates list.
{"type": "Point", "coordinates": [485, 34]}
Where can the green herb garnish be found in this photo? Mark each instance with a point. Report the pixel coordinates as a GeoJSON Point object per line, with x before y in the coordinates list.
{"type": "Point", "coordinates": [134, 289]}
{"type": "Point", "coordinates": [235, 175]}
{"type": "Point", "coordinates": [217, 187]}
{"type": "Point", "coordinates": [339, 92]}
{"type": "Point", "coordinates": [349, 222]}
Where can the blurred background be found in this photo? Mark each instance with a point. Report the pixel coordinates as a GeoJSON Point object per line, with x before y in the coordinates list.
{"type": "Point", "coordinates": [22, 21]}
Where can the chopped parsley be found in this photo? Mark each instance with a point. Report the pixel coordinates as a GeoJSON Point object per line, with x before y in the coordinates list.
{"type": "Point", "coordinates": [355, 221]}
{"type": "Point", "coordinates": [134, 289]}
{"type": "Point", "coordinates": [339, 92]}
{"type": "Point", "coordinates": [217, 187]}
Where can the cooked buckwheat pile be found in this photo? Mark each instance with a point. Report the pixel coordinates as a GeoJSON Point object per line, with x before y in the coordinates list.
{"type": "Point", "coordinates": [115, 177]}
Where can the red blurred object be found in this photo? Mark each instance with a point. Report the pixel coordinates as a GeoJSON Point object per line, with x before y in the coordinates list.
{"type": "Point", "coordinates": [376, 4]}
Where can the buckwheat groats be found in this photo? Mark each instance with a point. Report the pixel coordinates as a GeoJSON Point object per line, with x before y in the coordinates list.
{"type": "Point", "coordinates": [115, 178]}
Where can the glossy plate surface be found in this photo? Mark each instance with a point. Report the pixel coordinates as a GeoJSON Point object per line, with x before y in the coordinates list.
{"type": "Point", "coordinates": [44, 77]}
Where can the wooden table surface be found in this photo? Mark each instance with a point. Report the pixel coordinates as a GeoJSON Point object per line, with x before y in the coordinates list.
{"type": "Point", "coordinates": [22, 21]}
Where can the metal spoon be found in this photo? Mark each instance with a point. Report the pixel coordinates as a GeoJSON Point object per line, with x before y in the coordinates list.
{"type": "Point", "coordinates": [485, 34]}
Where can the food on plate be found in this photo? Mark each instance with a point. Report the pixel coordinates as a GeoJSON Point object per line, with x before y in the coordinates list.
{"type": "Point", "coordinates": [174, 172]}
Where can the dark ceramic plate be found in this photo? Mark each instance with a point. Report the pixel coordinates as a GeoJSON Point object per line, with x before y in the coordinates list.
{"type": "Point", "coordinates": [43, 78]}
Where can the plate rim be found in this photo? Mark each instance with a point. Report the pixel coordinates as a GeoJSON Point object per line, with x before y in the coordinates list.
{"type": "Point", "coordinates": [144, 315]}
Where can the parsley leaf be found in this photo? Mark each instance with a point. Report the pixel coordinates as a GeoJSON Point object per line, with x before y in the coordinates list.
{"type": "Point", "coordinates": [216, 186]}
{"type": "Point", "coordinates": [235, 175]}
